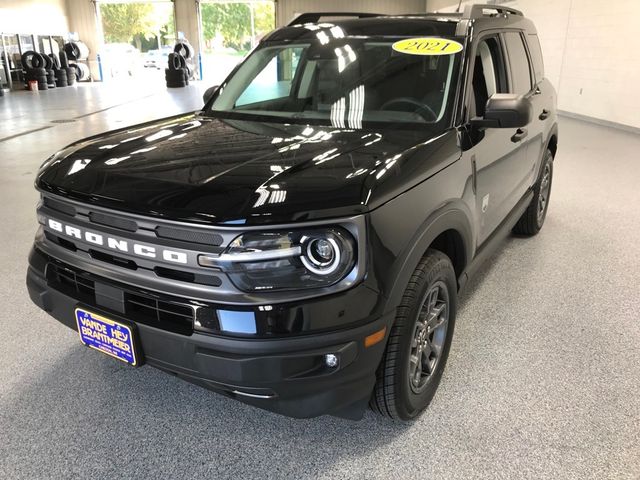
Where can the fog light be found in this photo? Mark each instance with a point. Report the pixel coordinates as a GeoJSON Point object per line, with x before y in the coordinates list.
{"type": "Point", "coordinates": [331, 360]}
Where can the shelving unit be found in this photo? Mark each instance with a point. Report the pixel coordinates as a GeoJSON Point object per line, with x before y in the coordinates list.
{"type": "Point", "coordinates": [12, 46]}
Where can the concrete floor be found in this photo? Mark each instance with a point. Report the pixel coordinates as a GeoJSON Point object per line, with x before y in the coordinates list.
{"type": "Point", "coordinates": [543, 380]}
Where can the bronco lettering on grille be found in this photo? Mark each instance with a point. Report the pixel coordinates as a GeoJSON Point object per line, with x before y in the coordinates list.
{"type": "Point", "coordinates": [117, 244]}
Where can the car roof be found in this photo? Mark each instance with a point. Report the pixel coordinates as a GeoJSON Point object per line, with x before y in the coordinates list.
{"type": "Point", "coordinates": [477, 16]}
{"type": "Point", "coordinates": [392, 26]}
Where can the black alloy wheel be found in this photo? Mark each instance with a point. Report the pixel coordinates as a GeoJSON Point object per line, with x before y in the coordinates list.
{"type": "Point", "coordinates": [429, 337]}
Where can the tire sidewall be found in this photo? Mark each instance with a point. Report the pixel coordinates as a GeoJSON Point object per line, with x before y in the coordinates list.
{"type": "Point", "coordinates": [412, 404]}
{"type": "Point", "coordinates": [547, 160]}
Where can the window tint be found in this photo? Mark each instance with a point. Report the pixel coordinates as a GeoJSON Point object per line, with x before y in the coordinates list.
{"type": "Point", "coordinates": [520, 70]}
{"type": "Point", "coordinates": [536, 55]}
{"type": "Point", "coordinates": [274, 81]}
{"type": "Point", "coordinates": [345, 82]}
{"type": "Point", "coordinates": [488, 73]}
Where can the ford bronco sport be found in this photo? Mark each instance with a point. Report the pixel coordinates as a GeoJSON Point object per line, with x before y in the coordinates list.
{"type": "Point", "coordinates": [300, 243]}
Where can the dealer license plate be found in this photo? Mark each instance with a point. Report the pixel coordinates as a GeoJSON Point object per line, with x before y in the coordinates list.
{"type": "Point", "coordinates": [106, 335]}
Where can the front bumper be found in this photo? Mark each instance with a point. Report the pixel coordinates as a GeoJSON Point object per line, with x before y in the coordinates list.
{"type": "Point", "coordinates": [283, 375]}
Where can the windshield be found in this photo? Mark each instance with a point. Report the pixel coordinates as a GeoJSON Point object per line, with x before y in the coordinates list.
{"type": "Point", "coordinates": [345, 82]}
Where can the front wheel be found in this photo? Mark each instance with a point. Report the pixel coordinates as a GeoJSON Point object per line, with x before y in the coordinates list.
{"type": "Point", "coordinates": [533, 218]}
{"type": "Point", "coordinates": [419, 341]}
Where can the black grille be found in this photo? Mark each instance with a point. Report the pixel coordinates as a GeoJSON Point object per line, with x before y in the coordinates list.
{"type": "Point", "coordinates": [191, 236]}
{"type": "Point", "coordinates": [60, 206]}
{"type": "Point", "coordinates": [115, 222]}
{"type": "Point", "coordinates": [140, 307]}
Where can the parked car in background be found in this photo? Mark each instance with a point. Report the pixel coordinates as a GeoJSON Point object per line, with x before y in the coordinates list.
{"type": "Point", "coordinates": [157, 58]}
{"type": "Point", "coordinates": [120, 60]}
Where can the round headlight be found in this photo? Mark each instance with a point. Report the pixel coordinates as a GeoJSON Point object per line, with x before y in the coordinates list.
{"type": "Point", "coordinates": [298, 259]}
{"type": "Point", "coordinates": [321, 255]}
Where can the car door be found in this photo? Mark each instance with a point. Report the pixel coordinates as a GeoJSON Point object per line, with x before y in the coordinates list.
{"type": "Point", "coordinates": [523, 83]}
{"type": "Point", "coordinates": [497, 154]}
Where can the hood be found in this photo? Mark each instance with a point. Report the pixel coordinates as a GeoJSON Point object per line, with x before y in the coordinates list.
{"type": "Point", "coordinates": [222, 171]}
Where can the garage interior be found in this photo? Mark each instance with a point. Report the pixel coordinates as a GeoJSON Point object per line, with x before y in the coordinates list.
{"type": "Point", "coordinates": [542, 380]}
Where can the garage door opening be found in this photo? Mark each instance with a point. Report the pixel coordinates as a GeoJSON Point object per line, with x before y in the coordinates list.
{"type": "Point", "coordinates": [229, 31]}
{"type": "Point", "coordinates": [138, 37]}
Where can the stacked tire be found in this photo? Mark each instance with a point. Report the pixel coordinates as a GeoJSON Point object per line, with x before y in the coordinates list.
{"type": "Point", "coordinates": [177, 74]}
{"type": "Point", "coordinates": [67, 72]}
{"type": "Point", "coordinates": [184, 50]}
{"type": "Point", "coordinates": [51, 75]}
{"type": "Point", "coordinates": [59, 74]}
{"type": "Point", "coordinates": [34, 65]}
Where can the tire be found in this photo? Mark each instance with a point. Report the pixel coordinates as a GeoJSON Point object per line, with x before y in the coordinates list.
{"type": "Point", "coordinates": [55, 62]}
{"type": "Point", "coordinates": [64, 60]}
{"type": "Point", "coordinates": [82, 71]}
{"type": "Point", "coordinates": [38, 79]}
{"type": "Point", "coordinates": [183, 49]}
{"type": "Point", "coordinates": [33, 73]}
{"type": "Point", "coordinates": [175, 75]}
{"type": "Point", "coordinates": [176, 84]}
{"type": "Point", "coordinates": [533, 218]}
{"type": "Point", "coordinates": [33, 60]}
{"type": "Point", "coordinates": [432, 288]}
{"type": "Point", "coordinates": [72, 51]}
{"type": "Point", "coordinates": [48, 63]}
{"type": "Point", "coordinates": [71, 75]}
{"type": "Point", "coordinates": [76, 50]}
{"type": "Point", "coordinates": [175, 61]}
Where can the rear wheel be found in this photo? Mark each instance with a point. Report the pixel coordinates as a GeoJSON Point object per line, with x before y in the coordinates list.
{"type": "Point", "coordinates": [533, 218]}
{"type": "Point", "coordinates": [419, 341]}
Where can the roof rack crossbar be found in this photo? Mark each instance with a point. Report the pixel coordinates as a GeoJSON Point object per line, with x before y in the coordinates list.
{"type": "Point", "coordinates": [314, 17]}
{"type": "Point", "coordinates": [472, 12]}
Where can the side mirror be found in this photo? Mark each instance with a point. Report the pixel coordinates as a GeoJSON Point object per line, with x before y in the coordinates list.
{"type": "Point", "coordinates": [209, 93]}
{"type": "Point", "coordinates": [505, 110]}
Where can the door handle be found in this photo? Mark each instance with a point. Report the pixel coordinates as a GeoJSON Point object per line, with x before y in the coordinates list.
{"type": "Point", "coordinates": [544, 115]}
{"type": "Point", "coordinates": [519, 135]}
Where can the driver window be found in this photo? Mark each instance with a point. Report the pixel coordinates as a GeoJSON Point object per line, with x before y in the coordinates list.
{"type": "Point", "coordinates": [489, 74]}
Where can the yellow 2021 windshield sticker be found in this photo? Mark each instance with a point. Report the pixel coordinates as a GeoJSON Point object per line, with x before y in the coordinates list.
{"type": "Point", "coordinates": [427, 46]}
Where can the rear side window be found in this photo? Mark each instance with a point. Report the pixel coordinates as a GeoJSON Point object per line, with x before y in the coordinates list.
{"type": "Point", "coordinates": [519, 61]}
{"type": "Point", "coordinates": [536, 56]}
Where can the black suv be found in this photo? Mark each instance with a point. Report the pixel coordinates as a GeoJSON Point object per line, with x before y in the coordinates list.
{"type": "Point", "coordinates": [299, 244]}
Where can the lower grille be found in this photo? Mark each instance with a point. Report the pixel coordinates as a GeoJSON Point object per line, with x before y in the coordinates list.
{"type": "Point", "coordinates": [140, 307]}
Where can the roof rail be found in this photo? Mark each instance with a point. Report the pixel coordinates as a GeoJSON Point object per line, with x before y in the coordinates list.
{"type": "Point", "coordinates": [471, 12]}
{"type": "Point", "coordinates": [314, 17]}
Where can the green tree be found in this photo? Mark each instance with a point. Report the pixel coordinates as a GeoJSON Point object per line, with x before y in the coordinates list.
{"type": "Point", "coordinates": [130, 22]}
{"type": "Point", "coordinates": [233, 22]}
{"type": "Point", "coordinates": [265, 18]}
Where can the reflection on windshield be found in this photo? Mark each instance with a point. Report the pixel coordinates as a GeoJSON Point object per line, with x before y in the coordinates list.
{"type": "Point", "coordinates": [343, 80]}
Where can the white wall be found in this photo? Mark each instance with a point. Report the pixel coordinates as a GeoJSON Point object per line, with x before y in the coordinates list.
{"type": "Point", "coordinates": [44, 17]}
{"type": "Point", "coordinates": [592, 53]}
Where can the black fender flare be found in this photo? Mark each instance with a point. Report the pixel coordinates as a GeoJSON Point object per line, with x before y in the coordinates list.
{"type": "Point", "coordinates": [452, 216]}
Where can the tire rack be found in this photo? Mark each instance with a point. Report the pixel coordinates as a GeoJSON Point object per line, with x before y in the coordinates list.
{"type": "Point", "coordinates": [5, 60]}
